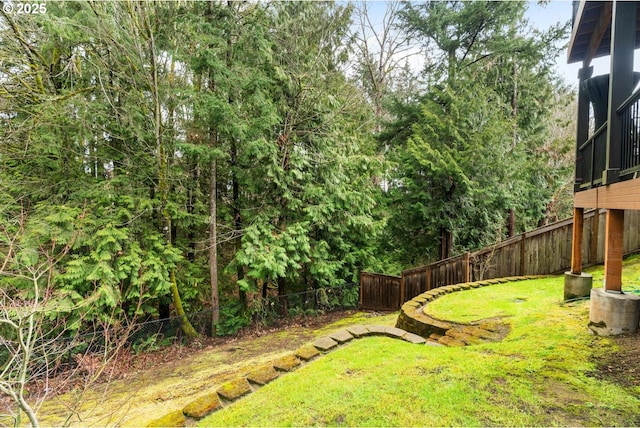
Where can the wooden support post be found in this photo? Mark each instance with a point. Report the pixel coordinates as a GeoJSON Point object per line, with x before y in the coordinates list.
{"type": "Point", "coordinates": [595, 231]}
{"type": "Point", "coordinates": [576, 241]}
{"type": "Point", "coordinates": [613, 249]}
{"type": "Point", "coordinates": [403, 298]}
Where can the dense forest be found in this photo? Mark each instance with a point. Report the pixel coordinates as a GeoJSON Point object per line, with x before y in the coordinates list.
{"type": "Point", "coordinates": [160, 158]}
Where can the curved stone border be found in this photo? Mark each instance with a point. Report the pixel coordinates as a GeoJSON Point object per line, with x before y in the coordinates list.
{"type": "Point", "coordinates": [413, 317]}
{"type": "Point", "coordinates": [256, 377]}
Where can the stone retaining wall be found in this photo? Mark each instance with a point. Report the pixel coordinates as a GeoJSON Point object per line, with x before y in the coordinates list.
{"type": "Point", "coordinates": [413, 317]}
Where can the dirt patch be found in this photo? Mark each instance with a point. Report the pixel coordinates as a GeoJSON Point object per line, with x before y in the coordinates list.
{"type": "Point", "coordinates": [620, 366]}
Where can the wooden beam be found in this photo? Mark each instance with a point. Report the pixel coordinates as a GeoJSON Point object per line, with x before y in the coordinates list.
{"type": "Point", "coordinates": [624, 195]}
{"type": "Point", "coordinates": [576, 241]}
{"type": "Point", "coordinates": [577, 22]}
{"type": "Point", "coordinates": [599, 31]}
{"type": "Point", "coordinates": [613, 250]}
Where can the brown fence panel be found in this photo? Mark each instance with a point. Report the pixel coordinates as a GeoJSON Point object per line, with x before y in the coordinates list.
{"type": "Point", "coordinates": [380, 292]}
{"type": "Point", "coordinates": [499, 261]}
{"type": "Point", "coordinates": [548, 249]}
{"type": "Point", "coordinates": [416, 281]}
{"type": "Point", "coordinates": [445, 272]}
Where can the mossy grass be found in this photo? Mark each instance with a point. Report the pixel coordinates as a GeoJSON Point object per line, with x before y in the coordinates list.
{"type": "Point", "coordinates": [541, 374]}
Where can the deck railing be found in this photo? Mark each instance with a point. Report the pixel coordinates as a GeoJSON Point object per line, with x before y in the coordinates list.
{"type": "Point", "coordinates": [629, 112]}
{"type": "Point", "coordinates": [592, 154]}
{"type": "Point", "coordinates": [592, 159]}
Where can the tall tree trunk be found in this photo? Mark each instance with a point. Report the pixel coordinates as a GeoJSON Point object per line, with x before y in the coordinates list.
{"type": "Point", "coordinates": [163, 177]}
{"type": "Point", "coordinates": [213, 248]}
{"type": "Point", "coordinates": [511, 223]}
{"type": "Point", "coordinates": [237, 219]}
{"type": "Point", "coordinates": [446, 243]}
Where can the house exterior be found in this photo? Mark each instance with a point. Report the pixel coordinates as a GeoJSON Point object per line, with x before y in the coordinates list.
{"type": "Point", "coordinates": [607, 155]}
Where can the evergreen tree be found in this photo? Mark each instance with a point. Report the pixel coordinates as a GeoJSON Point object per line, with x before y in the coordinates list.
{"type": "Point", "coordinates": [467, 152]}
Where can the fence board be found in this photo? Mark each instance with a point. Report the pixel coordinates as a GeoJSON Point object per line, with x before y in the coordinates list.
{"type": "Point", "coordinates": [380, 292]}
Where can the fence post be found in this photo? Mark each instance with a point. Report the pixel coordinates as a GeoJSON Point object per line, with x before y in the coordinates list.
{"type": "Point", "coordinates": [402, 291]}
{"type": "Point", "coordinates": [467, 267]}
{"type": "Point", "coordinates": [523, 252]}
{"type": "Point", "coordinates": [360, 289]}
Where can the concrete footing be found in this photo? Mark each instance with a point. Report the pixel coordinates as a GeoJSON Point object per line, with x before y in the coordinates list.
{"type": "Point", "coordinates": [612, 313]}
{"type": "Point", "coordinates": [577, 285]}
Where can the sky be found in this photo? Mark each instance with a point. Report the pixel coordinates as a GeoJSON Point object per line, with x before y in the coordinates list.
{"type": "Point", "coordinates": [541, 17]}
{"type": "Point", "coordinates": [555, 11]}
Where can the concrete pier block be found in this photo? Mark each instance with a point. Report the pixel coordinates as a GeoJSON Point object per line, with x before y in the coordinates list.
{"type": "Point", "coordinates": [577, 285]}
{"type": "Point", "coordinates": [612, 313]}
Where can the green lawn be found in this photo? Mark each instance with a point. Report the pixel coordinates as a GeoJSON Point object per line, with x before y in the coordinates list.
{"type": "Point", "coordinates": [542, 373]}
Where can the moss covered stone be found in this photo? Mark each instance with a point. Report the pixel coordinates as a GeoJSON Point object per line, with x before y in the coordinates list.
{"type": "Point", "coordinates": [395, 332]}
{"type": "Point", "coordinates": [173, 419]}
{"type": "Point", "coordinates": [411, 304]}
{"type": "Point", "coordinates": [307, 352]}
{"type": "Point", "coordinates": [492, 326]}
{"type": "Point", "coordinates": [413, 338]}
{"type": "Point", "coordinates": [341, 336]}
{"type": "Point", "coordinates": [481, 333]}
{"type": "Point", "coordinates": [286, 363]}
{"type": "Point", "coordinates": [377, 329]}
{"type": "Point", "coordinates": [358, 331]}
{"type": "Point", "coordinates": [325, 343]}
{"type": "Point", "coordinates": [420, 299]}
{"type": "Point", "coordinates": [234, 389]}
{"type": "Point", "coordinates": [463, 337]}
{"type": "Point", "coordinates": [450, 341]}
{"type": "Point", "coordinates": [262, 375]}
{"type": "Point", "coordinates": [202, 406]}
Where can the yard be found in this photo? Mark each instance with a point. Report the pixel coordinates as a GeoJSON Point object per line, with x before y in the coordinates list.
{"type": "Point", "coordinates": [549, 370]}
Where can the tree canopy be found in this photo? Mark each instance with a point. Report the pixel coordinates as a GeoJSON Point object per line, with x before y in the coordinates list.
{"type": "Point", "coordinates": [202, 154]}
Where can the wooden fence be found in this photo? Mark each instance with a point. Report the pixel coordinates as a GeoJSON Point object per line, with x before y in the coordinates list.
{"type": "Point", "coordinates": [546, 250]}
{"type": "Point", "coordinates": [381, 292]}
